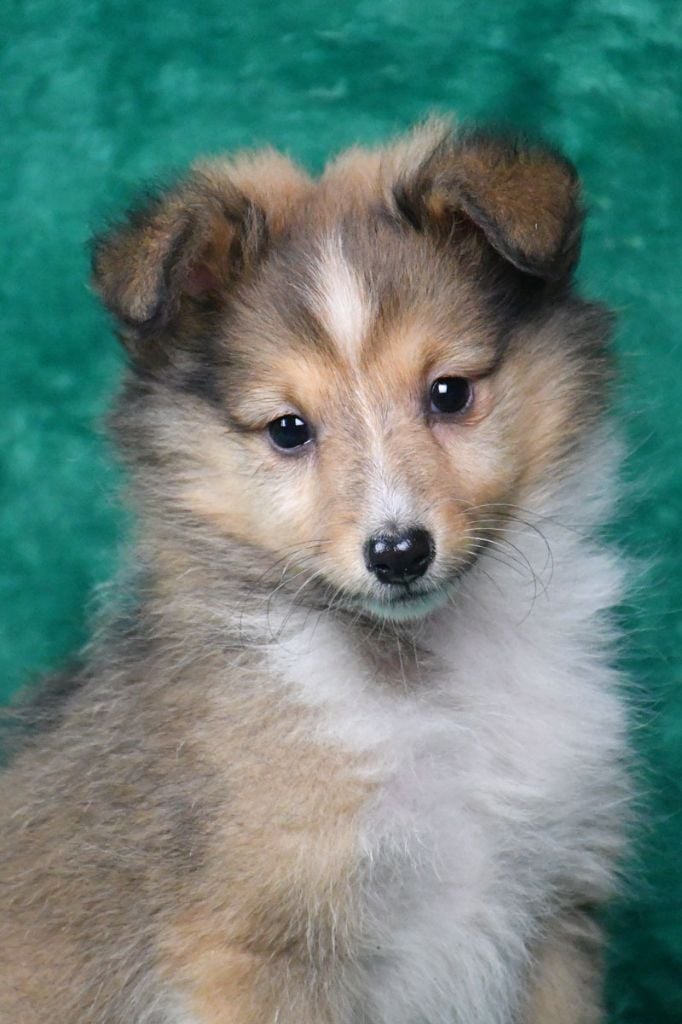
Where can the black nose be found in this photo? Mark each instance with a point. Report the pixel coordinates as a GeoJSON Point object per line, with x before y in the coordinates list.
{"type": "Point", "coordinates": [399, 557]}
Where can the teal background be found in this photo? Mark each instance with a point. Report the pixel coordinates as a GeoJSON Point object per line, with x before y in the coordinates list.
{"type": "Point", "coordinates": [98, 97]}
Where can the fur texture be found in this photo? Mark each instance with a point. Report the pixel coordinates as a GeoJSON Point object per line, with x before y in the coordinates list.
{"type": "Point", "coordinates": [280, 789]}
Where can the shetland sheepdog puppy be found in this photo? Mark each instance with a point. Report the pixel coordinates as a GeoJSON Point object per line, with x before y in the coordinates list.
{"type": "Point", "coordinates": [350, 748]}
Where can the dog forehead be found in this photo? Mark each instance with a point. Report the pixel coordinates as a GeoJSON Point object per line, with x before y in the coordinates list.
{"type": "Point", "coordinates": [340, 298]}
{"type": "Point", "coordinates": [349, 306]}
{"type": "Point", "coordinates": [379, 296]}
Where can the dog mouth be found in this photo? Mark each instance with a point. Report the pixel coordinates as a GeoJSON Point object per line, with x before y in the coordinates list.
{"type": "Point", "coordinates": [412, 601]}
{"type": "Point", "coordinates": [401, 607]}
{"type": "Point", "coordinates": [398, 603]}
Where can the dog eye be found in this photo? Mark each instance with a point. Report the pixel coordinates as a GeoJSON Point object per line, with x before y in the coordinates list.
{"type": "Point", "coordinates": [451, 394]}
{"type": "Point", "coordinates": [289, 432]}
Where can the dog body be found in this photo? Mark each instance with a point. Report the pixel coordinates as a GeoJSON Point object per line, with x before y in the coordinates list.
{"type": "Point", "coordinates": [353, 751]}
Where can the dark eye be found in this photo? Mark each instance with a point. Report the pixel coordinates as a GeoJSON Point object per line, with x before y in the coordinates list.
{"type": "Point", "coordinates": [289, 432]}
{"type": "Point", "coordinates": [451, 394]}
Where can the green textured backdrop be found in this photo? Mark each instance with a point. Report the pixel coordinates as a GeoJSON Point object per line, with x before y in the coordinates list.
{"type": "Point", "coordinates": [97, 97]}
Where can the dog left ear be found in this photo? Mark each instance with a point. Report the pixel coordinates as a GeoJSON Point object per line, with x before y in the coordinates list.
{"type": "Point", "coordinates": [525, 199]}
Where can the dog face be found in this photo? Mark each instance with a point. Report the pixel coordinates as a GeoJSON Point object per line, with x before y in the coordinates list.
{"type": "Point", "coordinates": [358, 379]}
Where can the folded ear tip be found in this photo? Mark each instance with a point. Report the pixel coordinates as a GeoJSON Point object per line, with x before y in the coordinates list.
{"type": "Point", "coordinates": [523, 195]}
{"type": "Point", "coordinates": [129, 289]}
{"type": "Point", "coordinates": [174, 256]}
{"type": "Point", "coordinates": [512, 143]}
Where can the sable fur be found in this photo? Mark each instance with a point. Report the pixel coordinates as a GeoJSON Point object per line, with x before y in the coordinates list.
{"type": "Point", "coordinates": [262, 798]}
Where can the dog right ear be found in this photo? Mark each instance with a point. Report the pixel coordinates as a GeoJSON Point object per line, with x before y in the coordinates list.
{"type": "Point", "coordinates": [177, 257]}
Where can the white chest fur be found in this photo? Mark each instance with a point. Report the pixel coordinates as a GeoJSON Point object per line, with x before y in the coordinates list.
{"type": "Point", "coordinates": [497, 757]}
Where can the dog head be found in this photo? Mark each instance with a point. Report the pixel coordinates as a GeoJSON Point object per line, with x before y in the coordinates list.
{"type": "Point", "coordinates": [359, 378]}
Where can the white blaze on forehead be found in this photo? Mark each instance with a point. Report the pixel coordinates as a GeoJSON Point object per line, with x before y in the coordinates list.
{"type": "Point", "coordinates": [341, 299]}
{"type": "Point", "coordinates": [345, 308]}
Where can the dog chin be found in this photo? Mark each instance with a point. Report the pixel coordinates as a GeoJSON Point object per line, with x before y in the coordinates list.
{"type": "Point", "coordinates": [408, 606]}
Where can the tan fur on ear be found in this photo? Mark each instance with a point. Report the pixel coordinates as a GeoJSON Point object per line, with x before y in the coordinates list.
{"type": "Point", "coordinates": [525, 199]}
{"type": "Point", "coordinates": [192, 242]}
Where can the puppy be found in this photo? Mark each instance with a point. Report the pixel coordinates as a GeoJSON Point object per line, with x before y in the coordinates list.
{"type": "Point", "coordinates": [348, 748]}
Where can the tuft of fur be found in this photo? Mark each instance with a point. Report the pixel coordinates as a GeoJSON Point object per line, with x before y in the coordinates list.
{"type": "Point", "coordinates": [278, 789]}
